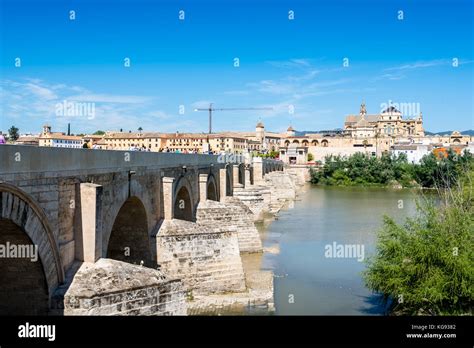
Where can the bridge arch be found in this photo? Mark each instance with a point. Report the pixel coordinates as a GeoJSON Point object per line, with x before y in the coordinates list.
{"type": "Point", "coordinates": [27, 282]}
{"type": "Point", "coordinates": [184, 208]}
{"type": "Point", "coordinates": [128, 239]}
{"type": "Point", "coordinates": [212, 188]}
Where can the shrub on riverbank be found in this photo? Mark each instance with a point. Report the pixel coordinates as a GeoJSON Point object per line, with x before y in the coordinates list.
{"type": "Point", "coordinates": [426, 266]}
{"type": "Point", "coordinates": [390, 170]}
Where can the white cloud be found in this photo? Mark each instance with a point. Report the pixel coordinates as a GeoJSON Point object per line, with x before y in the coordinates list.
{"type": "Point", "coordinates": [291, 63]}
{"type": "Point", "coordinates": [41, 92]}
{"type": "Point", "coordinates": [32, 102]}
{"type": "Point", "coordinates": [419, 65]}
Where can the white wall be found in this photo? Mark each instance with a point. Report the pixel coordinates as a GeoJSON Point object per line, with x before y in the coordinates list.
{"type": "Point", "coordinates": [320, 153]}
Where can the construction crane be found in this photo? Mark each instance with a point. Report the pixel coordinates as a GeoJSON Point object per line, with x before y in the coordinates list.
{"type": "Point", "coordinates": [211, 109]}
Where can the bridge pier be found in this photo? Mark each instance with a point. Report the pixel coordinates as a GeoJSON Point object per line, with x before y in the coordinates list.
{"type": "Point", "coordinates": [257, 170]}
{"type": "Point", "coordinates": [203, 187]}
{"type": "Point", "coordinates": [247, 176]}
{"type": "Point", "coordinates": [168, 199]}
{"type": "Point", "coordinates": [89, 243]}
{"type": "Point", "coordinates": [235, 177]}
{"type": "Point", "coordinates": [222, 184]}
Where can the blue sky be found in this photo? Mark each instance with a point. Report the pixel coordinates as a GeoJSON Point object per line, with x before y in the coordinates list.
{"type": "Point", "coordinates": [283, 62]}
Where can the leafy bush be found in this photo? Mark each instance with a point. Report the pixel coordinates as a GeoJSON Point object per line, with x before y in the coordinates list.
{"type": "Point", "coordinates": [426, 266]}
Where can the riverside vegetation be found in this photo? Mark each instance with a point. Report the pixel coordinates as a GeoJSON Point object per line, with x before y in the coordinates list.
{"type": "Point", "coordinates": [424, 266]}
{"type": "Point", "coordinates": [389, 170]}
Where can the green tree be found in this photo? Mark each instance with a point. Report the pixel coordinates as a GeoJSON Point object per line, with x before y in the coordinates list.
{"type": "Point", "coordinates": [140, 129]}
{"type": "Point", "coordinates": [389, 169]}
{"type": "Point", "coordinates": [13, 133]}
{"type": "Point", "coordinates": [426, 266]}
{"type": "Point", "coordinates": [99, 132]}
{"type": "Point", "coordinates": [310, 157]}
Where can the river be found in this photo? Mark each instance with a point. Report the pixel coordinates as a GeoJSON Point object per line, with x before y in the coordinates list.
{"type": "Point", "coordinates": [308, 283]}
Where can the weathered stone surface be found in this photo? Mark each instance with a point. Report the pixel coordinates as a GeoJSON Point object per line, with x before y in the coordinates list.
{"type": "Point", "coordinates": [283, 188]}
{"type": "Point", "coordinates": [234, 215]}
{"type": "Point", "coordinates": [252, 197]}
{"type": "Point", "coordinates": [270, 194]}
{"type": "Point", "coordinates": [111, 287]}
{"type": "Point", "coordinates": [300, 173]}
{"type": "Point", "coordinates": [207, 260]}
{"type": "Point", "coordinates": [257, 298]}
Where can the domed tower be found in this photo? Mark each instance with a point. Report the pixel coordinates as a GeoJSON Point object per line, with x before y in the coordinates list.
{"type": "Point", "coordinates": [290, 132]}
{"type": "Point", "coordinates": [363, 110]}
{"type": "Point", "coordinates": [391, 113]}
{"type": "Point", "coordinates": [46, 129]}
{"type": "Point", "coordinates": [260, 131]}
{"type": "Point", "coordinates": [419, 130]}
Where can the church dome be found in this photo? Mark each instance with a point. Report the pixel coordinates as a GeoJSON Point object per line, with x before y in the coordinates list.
{"type": "Point", "coordinates": [391, 110]}
{"type": "Point", "coordinates": [260, 125]}
{"type": "Point", "coordinates": [290, 129]}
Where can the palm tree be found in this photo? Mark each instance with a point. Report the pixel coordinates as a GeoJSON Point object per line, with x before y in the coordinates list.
{"type": "Point", "coordinates": [140, 129]}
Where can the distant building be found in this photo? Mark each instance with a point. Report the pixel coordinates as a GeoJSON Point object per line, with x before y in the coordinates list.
{"type": "Point", "coordinates": [389, 122]}
{"type": "Point", "coordinates": [261, 140]}
{"type": "Point", "coordinates": [230, 142]}
{"type": "Point", "coordinates": [27, 140]}
{"type": "Point", "coordinates": [56, 139]}
{"type": "Point", "coordinates": [370, 134]}
{"type": "Point", "coordinates": [470, 148]}
{"type": "Point", "coordinates": [176, 142]}
{"type": "Point", "coordinates": [413, 152]}
{"type": "Point", "coordinates": [294, 154]}
{"type": "Point", "coordinates": [125, 141]}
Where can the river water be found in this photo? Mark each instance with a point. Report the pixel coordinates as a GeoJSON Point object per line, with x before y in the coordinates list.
{"type": "Point", "coordinates": [306, 281]}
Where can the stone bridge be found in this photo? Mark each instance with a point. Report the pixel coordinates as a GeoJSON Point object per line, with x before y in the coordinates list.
{"type": "Point", "coordinates": [96, 217]}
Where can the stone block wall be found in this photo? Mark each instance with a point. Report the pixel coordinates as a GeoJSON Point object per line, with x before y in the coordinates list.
{"type": "Point", "coordinates": [207, 260]}
{"type": "Point", "coordinates": [283, 189]}
{"type": "Point", "coordinates": [110, 287]}
{"type": "Point", "coordinates": [300, 173]}
{"type": "Point", "coordinates": [233, 214]}
{"type": "Point", "coordinates": [253, 198]}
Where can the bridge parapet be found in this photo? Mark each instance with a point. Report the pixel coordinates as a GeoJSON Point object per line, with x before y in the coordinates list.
{"type": "Point", "coordinates": [54, 162]}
